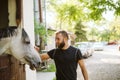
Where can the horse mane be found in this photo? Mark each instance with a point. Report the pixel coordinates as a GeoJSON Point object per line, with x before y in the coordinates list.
{"type": "Point", "coordinates": [7, 32]}
{"type": "Point", "coordinates": [11, 31]}
{"type": "Point", "coordinates": [25, 37]}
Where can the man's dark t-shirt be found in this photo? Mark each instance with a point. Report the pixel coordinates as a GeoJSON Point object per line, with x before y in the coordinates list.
{"type": "Point", "coordinates": [66, 62]}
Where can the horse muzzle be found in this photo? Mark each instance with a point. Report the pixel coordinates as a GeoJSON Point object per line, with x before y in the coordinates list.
{"type": "Point", "coordinates": [33, 63]}
{"type": "Point", "coordinates": [34, 66]}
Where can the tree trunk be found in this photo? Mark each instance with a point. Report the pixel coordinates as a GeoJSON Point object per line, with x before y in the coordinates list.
{"type": "Point", "coordinates": [42, 44]}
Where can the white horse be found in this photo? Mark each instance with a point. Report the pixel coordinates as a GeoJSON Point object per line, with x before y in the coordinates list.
{"type": "Point", "coordinates": [16, 42]}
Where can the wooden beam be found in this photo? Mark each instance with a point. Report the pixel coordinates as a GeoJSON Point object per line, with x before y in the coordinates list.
{"type": "Point", "coordinates": [40, 11]}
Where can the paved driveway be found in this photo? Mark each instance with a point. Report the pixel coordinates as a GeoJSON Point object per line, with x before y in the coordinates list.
{"type": "Point", "coordinates": [103, 65]}
{"type": "Point", "coordinates": [45, 75]}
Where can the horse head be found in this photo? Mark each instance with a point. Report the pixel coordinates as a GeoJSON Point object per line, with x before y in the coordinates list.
{"type": "Point", "coordinates": [18, 44]}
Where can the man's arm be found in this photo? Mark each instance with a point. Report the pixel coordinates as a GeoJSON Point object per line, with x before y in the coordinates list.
{"type": "Point", "coordinates": [83, 69]}
{"type": "Point", "coordinates": [44, 56]}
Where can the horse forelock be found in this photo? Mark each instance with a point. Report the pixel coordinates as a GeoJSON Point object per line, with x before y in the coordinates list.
{"type": "Point", "coordinates": [8, 32]}
{"type": "Point", "coordinates": [25, 37]}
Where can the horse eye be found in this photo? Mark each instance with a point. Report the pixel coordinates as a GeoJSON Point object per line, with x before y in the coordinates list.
{"type": "Point", "coordinates": [27, 42]}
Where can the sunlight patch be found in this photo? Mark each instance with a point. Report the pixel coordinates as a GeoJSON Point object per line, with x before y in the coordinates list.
{"type": "Point", "coordinates": [111, 61]}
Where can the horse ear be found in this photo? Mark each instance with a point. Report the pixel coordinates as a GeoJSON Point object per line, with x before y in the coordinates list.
{"type": "Point", "coordinates": [25, 37]}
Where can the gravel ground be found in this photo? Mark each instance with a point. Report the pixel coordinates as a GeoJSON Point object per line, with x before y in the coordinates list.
{"type": "Point", "coordinates": [103, 65]}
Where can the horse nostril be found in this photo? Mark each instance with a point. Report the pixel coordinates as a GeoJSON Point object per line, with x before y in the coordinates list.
{"type": "Point", "coordinates": [39, 63]}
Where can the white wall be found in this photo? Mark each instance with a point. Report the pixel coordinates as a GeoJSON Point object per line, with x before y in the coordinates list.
{"type": "Point", "coordinates": [12, 12]}
{"type": "Point", "coordinates": [50, 43]}
{"type": "Point", "coordinates": [29, 27]}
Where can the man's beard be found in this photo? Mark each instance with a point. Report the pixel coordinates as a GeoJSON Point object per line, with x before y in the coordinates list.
{"type": "Point", "coordinates": [62, 44]}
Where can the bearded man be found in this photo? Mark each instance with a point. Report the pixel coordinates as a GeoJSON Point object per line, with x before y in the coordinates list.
{"type": "Point", "coordinates": [66, 58]}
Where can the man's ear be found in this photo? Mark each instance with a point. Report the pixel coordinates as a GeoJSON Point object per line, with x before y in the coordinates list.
{"type": "Point", "coordinates": [65, 39]}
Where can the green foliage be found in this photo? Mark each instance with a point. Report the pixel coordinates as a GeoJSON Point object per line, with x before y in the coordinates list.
{"type": "Point", "coordinates": [51, 68]}
{"type": "Point", "coordinates": [85, 9]}
{"type": "Point", "coordinates": [105, 36]}
{"type": "Point", "coordinates": [97, 7]}
{"type": "Point", "coordinates": [80, 32]}
{"type": "Point", "coordinates": [115, 29]}
{"type": "Point", "coordinates": [70, 12]}
{"type": "Point", "coordinates": [40, 29]}
{"type": "Point", "coordinates": [50, 32]}
{"type": "Point", "coordinates": [94, 32]}
{"type": "Point", "coordinates": [67, 13]}
{"type": "Point", "coordinates": [112, 33]}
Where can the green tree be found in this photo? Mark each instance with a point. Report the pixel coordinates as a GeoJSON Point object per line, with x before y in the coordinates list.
{"type": "Point", "coordinates": [115, 29]}
{"type": "Point", "coordinates": [85, 9]}
{"type": "Point", "coordinates": [80, 32]}
{"type": "Point", "coordinates": [41, 31]}
{"type": "Point", "coordinates": [105, 35]}
{"type": "Point", "coordinates": [94, 33]}
{"type": "Point", "coordinates": [68, 13]}
{"type": "Point", "coordinates": [97, 7]}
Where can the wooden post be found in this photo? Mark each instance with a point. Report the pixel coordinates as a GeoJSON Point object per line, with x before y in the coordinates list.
{"type": "Point", "coordinates": [11, 69]}
{"type": "Point", "coordinates": [40, 11]}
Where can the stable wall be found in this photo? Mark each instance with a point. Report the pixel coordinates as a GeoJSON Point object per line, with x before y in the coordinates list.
{"type": "Point", "coordinates": [28, 22]}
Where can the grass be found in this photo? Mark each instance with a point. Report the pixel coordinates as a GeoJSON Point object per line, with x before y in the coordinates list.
{"type": "Point", "coordinates": [54, 78]}
{"type": "Point", "coordinates": [50, 68]}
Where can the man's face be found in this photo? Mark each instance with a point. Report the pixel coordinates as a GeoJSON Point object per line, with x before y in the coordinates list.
{"type": "Point", "coordinates": [59, 39]}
